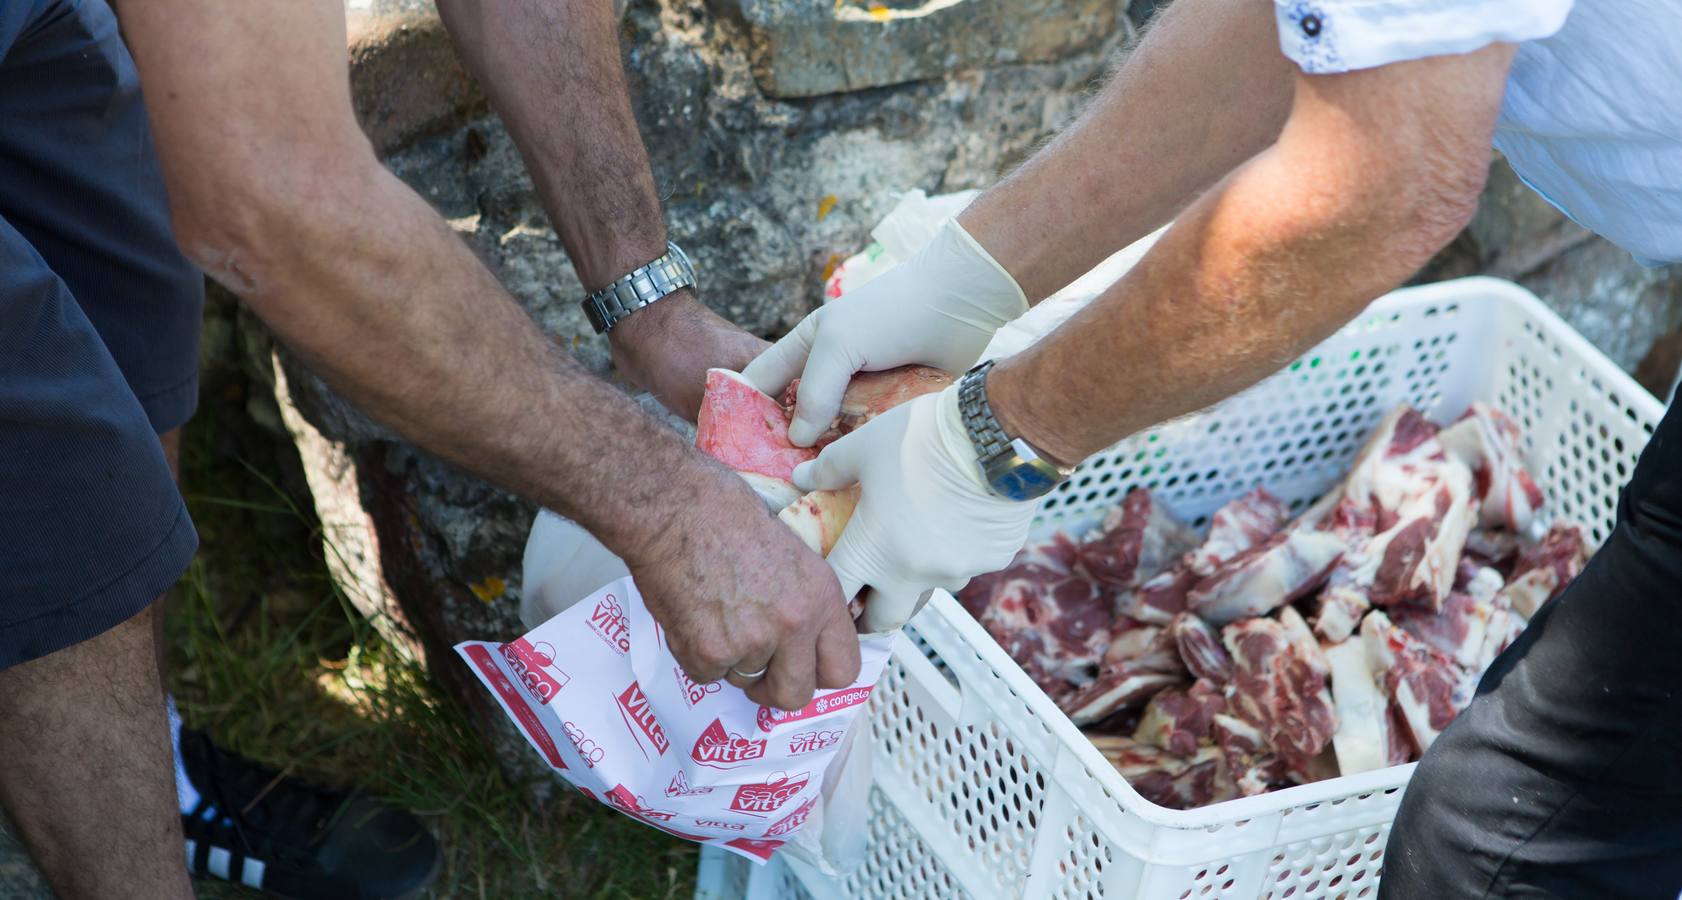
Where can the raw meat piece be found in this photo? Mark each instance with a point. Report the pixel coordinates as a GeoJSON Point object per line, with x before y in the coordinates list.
{"type": "Point", "coordinates": [1159, 599]}
{"type": "Point", "coordinates": [1200, 648]}
{"type": "Point", "coordinates": [819, 516]}
{"type": "Point", "coordinates": [1417, 504]}
{"type": "Point", "coordinates": [1340, 611]}
{"type": "Point", "coordinates": [1254, 767]}
{"type": "Point", "coordinates": [1051, 621]}
{"type": "Point", "coordinates": [1279, 688]}
{"type": "Point", "coordinates": [1497, 550]}
{"type": "Point", "coordinates": [1113, 691]}
{"type": "Point", "coordinates": [1427, 687]}
{"type": "Point", "coordinates": [1415, 560]}
{"type": "Point", "coordinates": [1362, 740]}
{"type": "Point", "coordinates": [1459, 629]}
{"type": "Point", "coordinates": [1489, 442]}
{"type": "Point", "coordinates": [1145, 647]}
{"type": "Point", "coordinates": [1167, 780]}
{"type": "Point", "coordinates": [1286, 567]}
{"type": "Point", "coordinates": [1543, 571]}
{"type": "Point", "coordinates": [1235, 528]}
{"type": "Point", "coordinates": [1303, 643]}
{"type": "Point", "coordinates": [1136, 540]}
{"type": "Point", "coordinates": [1504, 627]}
{"type": "Point", "coordinates": [1142, 660]}
{"type": "Point", "coordinates": [748, 431]}
{"type": "Point", "coordinates": [1178, 719]}
{"type": "Point", "coordinates": [870, 394]}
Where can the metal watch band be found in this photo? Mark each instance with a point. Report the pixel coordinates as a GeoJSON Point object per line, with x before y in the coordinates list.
{"type": "Point", "coordinates": [985, 433]}
{"type": "Point", "coordinates": [641, 287]}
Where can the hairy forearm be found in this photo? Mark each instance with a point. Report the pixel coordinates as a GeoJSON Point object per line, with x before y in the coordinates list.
{"type": "Point", "coordinates": [1204, 91]}
{"type": "Point", "coordinates": [553, 72]}
{"type": "Point", "coordinates": [1271, 261]}
{"type": "Point", "coordinates": [420, 336]}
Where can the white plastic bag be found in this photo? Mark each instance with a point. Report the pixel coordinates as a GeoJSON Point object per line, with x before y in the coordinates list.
{"type": "Point", "coordinates": [596, 691]}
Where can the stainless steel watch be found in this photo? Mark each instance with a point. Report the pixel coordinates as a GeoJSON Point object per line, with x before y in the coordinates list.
{"type": "Point", "coordinates": [641, 287]}
{"type": "Point", "coordinates": [1009, 465]}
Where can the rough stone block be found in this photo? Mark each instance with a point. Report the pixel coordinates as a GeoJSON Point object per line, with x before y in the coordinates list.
{"type": "Point", "coordinates": [803, 48]}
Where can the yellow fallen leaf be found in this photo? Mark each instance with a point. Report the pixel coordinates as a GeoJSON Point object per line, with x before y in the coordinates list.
{"type": "Point", "coordinates": [825, 205]}
{"type": "Point", "coordinates": [880, 12]}
{"type": "Point", "coordinates": [829, 266]}
{"type": "Point", "coordinates": [489, 589]}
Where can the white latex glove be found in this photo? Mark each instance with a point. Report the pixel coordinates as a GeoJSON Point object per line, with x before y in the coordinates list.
{"type": "Point", "coordinates": [939, 308]}
{"type": "Point", "coordinates": [925, 517]}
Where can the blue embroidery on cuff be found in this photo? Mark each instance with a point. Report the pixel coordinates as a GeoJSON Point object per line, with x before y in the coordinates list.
{"type": "Point", "coordinates": [1313, 38]}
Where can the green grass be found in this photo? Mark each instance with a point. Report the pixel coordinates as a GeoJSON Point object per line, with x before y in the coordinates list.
{"type": "Point", "coordinates": [269, 657]}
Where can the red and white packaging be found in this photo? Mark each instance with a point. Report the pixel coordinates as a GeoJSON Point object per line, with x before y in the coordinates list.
{"type": "Point", "coordinates": [598, 694]}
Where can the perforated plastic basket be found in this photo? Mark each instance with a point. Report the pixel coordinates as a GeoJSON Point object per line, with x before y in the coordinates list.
{"type": "Point", "coordinates": [985, 789]}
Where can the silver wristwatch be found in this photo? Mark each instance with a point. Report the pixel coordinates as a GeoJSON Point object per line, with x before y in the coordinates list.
{"type": "Point", "coordinates": [642, 286]}
{"type": "Point", "coordinates": [1010, 467]}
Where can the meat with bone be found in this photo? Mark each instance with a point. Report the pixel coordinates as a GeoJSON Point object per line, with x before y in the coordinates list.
{"type": "Point", "coordinates": [1420, 506]}
{"type": "Point", "coordinates": [1165, 779]}
{"type": "Point", "coordinates": [1458, 630]}
{"type": "Point", "coordinates": [818, 517]}
{"type": "Point", "coordinates": [1489, 442]}
{"type": "Point", "coordinates": [748, 430]}
{"type": "Point", "coordinates": [1049, 619]}
{"type": "Point", "coordinates": [870, 394]}
{"type": "Point", "coordinates": [1287, 566]}
{"type": "Point", "coordinates": [1200, 648]}
{"type": "Point", "coordinates": [1494, 549]}
{"type": "Point", "coordinates": [1178, 719]}
{"type": "Point", "coordinates": [1362, 741]}
{"type": "Point", "coordinates": [1235, 528]}
{"type": "Point", "coordinates": [1280, 688]}
{"type": "Point", "coordinates": [1136, 540]}
{"type": "Point", "coordinates": [1543, 571]}
{"type": "Point", "coordinates": [1339, 613]}
{"type": "Point", "coordinates": [1426, 686]}
{"type": "Point", "coordinates": [1142, 660]}
{"type": "Point", "coordinates": [1254, 767]}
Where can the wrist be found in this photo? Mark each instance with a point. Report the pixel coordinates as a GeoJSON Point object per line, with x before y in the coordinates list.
{"type": "Point", "coordinates": [647, 328]}
{"type": "Point", "coordinates": [1018, 408]}
{"type": "Point", "coordinates": [599, 263]}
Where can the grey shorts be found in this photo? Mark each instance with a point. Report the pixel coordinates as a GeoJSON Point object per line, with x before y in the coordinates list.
{"type": "Point", "coordinates": [99, 325]}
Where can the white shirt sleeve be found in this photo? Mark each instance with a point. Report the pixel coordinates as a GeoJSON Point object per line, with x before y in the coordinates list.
{"type": "Point", "coordinates": [1326, 36]}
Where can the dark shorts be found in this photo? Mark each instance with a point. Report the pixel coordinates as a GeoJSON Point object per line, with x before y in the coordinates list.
{"type": "Point", "coordinates": [99, 323]}
{"type": "Point", "coordinates": [1563, 778]}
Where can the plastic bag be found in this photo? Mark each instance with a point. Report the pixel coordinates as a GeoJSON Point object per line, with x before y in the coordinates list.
{"type": "Point", "coordinates": [595, 690]}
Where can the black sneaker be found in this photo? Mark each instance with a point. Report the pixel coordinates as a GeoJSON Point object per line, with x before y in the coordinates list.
{"type": "Point", "coordinates": [292, 839]}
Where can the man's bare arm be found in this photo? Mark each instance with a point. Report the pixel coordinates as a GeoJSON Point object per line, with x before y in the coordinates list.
{"type": "Point", "coordinates": [1205, 90]}
{"type": "Point", "coordinates": [554, 74]}
{"type": "Point", "coordinates": [277, 194]}
{"type": "Point", "coordinates": [1373, 173]}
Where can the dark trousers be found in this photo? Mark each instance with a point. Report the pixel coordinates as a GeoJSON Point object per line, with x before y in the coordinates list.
{"type": "Point", "coordinates": [1563, 778]}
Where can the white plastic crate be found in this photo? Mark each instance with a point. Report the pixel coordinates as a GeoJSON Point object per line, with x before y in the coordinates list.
{"type": "Point", "coordinates": [985, 789]}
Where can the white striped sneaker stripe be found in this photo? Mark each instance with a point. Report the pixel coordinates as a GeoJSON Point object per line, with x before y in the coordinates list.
{"type": "Point", "coordinates": [193, 846]}
{"type": "Point", "coordinates": [218, 862]}
{"type": "Point", "coordinates": [251, 873]}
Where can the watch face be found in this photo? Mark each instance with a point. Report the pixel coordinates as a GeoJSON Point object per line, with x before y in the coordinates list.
{"type": "Point", "coordinates": [1026, 480]}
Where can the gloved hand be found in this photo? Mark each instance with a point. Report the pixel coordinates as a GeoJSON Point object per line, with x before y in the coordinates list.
{"type": "Point", "coordinates": [939, 308]}
{"type": "Point", "coordinates": [925, 517]}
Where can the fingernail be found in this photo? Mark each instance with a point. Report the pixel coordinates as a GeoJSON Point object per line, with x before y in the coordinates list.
{"type": "Point", "coordinates": [803, 476]}
{"type": "Point", "coordinates": [803, 433]}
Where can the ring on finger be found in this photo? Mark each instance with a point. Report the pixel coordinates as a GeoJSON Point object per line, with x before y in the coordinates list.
{"type": "Point", "coordinates": [748, 675]}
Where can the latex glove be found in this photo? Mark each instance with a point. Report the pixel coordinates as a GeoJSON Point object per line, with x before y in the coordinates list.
{"type": "Point", "coordinates": [925, 517]}
{"type": "Point", "coordinates": [939, 308]}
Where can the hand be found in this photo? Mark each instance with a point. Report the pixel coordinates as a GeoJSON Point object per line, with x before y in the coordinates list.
{"type": "Point", "coordinates": [925, 518]}
{"type": "Point", "coordinates": [939, 308]}
{"type": "Point", "coordinates": [734, 589]}
{"type": "Point", "coordinates": [668, 347]}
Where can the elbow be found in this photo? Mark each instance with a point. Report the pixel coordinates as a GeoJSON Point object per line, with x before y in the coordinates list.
{"type": "Point", "coordinates": [1436, 199]}
{"type": "Point", "coordinates": [254, 222]}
